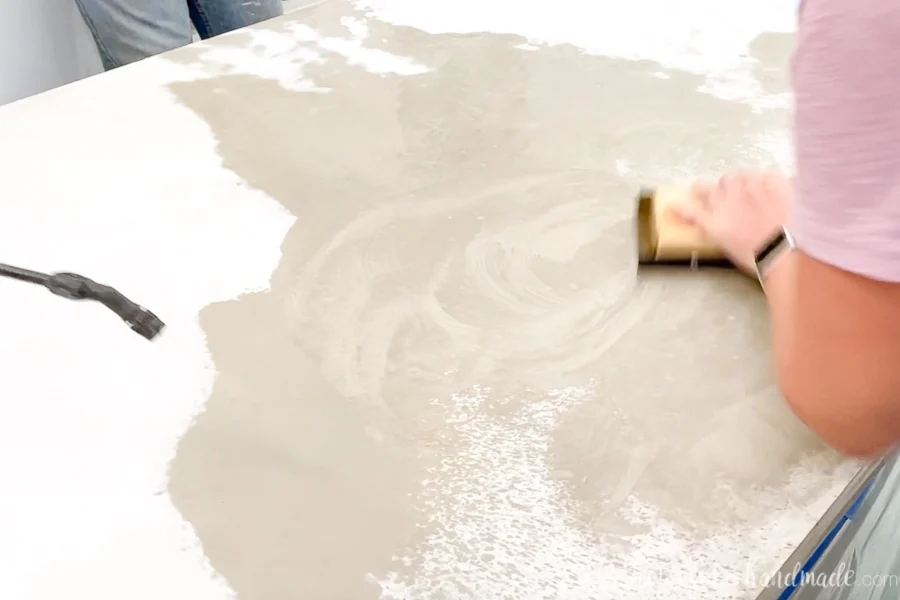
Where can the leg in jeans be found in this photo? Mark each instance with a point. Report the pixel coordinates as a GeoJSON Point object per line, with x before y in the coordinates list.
{"type": "Point", "coordinates": [215, 17]}
{"type": "Point", "coordinates": [129, 30]}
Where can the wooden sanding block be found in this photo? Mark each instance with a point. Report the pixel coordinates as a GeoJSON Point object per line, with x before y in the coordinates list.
{"type": "Point", "coordinates": [664, 239]}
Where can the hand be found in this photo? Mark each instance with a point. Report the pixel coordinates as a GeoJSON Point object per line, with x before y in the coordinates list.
{"type": "Point", "coordinates": [741, 212]}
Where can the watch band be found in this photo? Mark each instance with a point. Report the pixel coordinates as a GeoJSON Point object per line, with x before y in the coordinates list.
{"type": "Point", "coordinates": [778, 245]}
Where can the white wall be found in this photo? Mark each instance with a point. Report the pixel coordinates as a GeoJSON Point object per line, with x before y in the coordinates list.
{"type": "Point", "coordinates": [43, 44]}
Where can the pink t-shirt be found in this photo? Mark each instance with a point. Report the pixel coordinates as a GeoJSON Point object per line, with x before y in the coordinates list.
{"type": "Point", "coordinates": [846, 76]}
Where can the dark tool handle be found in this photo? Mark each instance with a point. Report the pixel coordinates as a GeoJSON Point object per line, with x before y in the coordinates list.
{"type": "Point", "coordinates": [78, 287]}
{"type": "Point", "coordinates": [23, 274]}
{"type": "Point", "coordinates": [716, 263]}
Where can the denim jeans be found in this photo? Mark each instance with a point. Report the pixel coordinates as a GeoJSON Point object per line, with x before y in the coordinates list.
{"type": "Point", "coordinates": [129, 30]}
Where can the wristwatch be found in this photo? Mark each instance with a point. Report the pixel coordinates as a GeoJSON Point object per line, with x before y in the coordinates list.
{"type": "Point", "coordinates": [780, 244]}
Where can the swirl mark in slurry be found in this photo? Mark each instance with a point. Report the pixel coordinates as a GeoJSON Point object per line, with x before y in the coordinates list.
{"type": "Point", "coordinates": [500, 526]}
{"type": "Point", "coordinates": [502, 279]}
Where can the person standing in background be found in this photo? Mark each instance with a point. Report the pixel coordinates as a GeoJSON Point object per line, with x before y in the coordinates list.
{"type": "Point", "coordinates": [130, 30]}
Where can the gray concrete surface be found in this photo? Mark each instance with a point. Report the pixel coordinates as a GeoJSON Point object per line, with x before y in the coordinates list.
{"type": "Point", "coordinates": [457, 387]}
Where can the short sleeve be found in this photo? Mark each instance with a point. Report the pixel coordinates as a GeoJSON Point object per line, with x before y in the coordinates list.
{"type": "Point", "coordinates": [846, 76]}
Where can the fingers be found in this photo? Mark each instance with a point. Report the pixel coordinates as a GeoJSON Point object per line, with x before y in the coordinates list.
{"type": "Point", "coordinates": [686, 212]}
{"type": "Point", "coordinates": [712, 199]}
{"type": "Point", "coordinates": [696, 210]}
{"type": "Point", "coordinates": [731, 188]}
{"type": "Point", "coordinates": [701, 191]}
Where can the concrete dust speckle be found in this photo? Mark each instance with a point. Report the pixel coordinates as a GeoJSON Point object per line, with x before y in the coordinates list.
{"type": "Point", "coordinates": [503, 526]}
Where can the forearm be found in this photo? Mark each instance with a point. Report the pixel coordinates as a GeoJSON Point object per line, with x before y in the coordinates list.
{"type": "Point", "coordinates": [828, 389]}
{"type": "Point", "coordinates": [781, 295]}
{"type": "Point", "coordinates": [780, 288]}
{"type": "Point", "coordinates": [795, 386]}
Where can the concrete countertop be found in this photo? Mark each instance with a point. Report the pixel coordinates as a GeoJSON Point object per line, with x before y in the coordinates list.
{"type": "Point", "coordinates": [408, 355]}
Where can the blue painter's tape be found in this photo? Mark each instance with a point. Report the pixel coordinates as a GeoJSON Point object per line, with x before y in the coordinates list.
{"type": "Point", "coordinates": [788, 591]}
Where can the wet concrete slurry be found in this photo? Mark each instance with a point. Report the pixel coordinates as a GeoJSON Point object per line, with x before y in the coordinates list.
{"type": "Point", "coordinates": [456, 386]}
